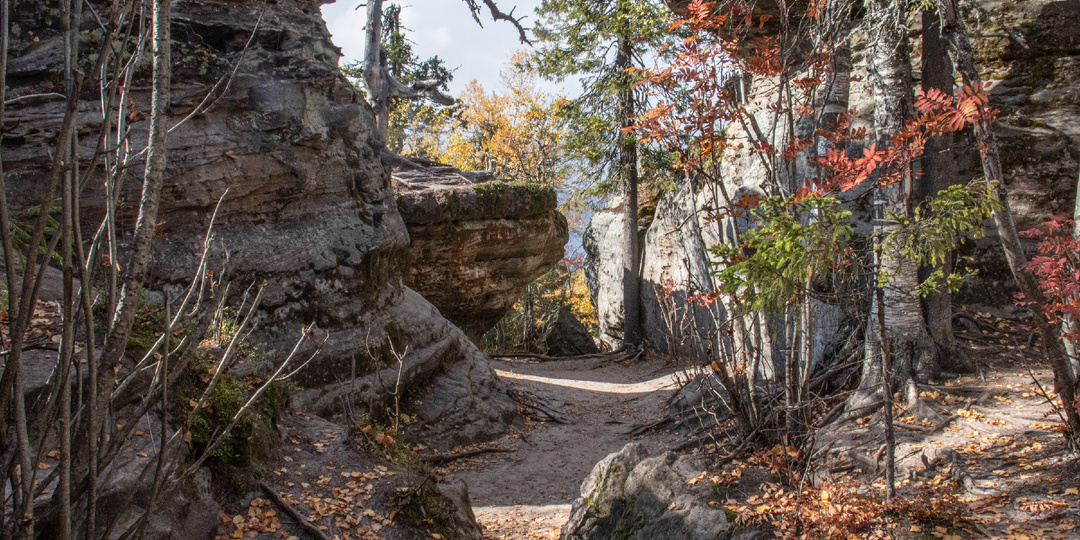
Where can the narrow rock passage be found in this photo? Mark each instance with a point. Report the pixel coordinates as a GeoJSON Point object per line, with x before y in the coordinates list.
{"type": "Point", "coordinates": [526, 494]}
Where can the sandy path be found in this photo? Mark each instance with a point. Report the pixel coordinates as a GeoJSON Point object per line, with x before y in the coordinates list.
{"type": "Point", "coordinates": [526, 494]}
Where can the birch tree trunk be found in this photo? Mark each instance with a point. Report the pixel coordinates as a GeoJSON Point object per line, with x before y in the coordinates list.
{"type": "Point", "coordinates": [891, 84]}
{"type": "Point", "coordinates": [1069, 325]}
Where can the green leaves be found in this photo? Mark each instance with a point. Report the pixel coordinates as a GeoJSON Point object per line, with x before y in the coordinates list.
{"type": "Point", "coordinates": [578, 38]}
{"type": "Point", "coordinates": [796, 241]}
{"type": "Point", "coordinates": [935, 229]}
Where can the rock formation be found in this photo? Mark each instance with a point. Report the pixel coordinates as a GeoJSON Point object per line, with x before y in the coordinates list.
{"type": "Point", "coordinates": [310, 210]}
{"type": "Point", "coordinates": [564, 335]}
{"type": "Point", "coordinates": [633, 496]}
{"type": "Point", "coordinates": [476, 241]}
{"type": "Point", "coordinates": [1030, 55]}
{"type": "Point", "coordinates": [307, 209]}
{"type": "Point", "coordinates": [603, 266]}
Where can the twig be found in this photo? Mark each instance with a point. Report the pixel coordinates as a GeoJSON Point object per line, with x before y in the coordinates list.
{"type": "Point", "coordinates": [828, 416]}
{"type": "Point", "coordinates": [305, 334]}
{"type": "Point", "coordinates": [1013, 34]}
{"type": "Point", "coordinates": [300, 519]}
{"type": "Point", "coordinates": [618, 355]}
{"type": "Point", "coordinates": [48, 95]}
{"type": "Point", "coordinates": [536, 403]}
{"type": "Point", "coordinates": [446, 458]}
{"type": "Point", "coordinates": [1053, 407]}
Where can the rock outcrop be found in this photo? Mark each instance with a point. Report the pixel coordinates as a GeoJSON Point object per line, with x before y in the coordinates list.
{"type": "Point", "coordinates": [1036, 87]}
{"type": "Point", "coordinates": [564, 335]}
{"type": "Point", "coordinates": [603, 266]}
{"type": "Point", "coordinates": [633, 496]}
{"type": "Point", "coordinates": [476, 241]}
{"type": "Point", "coordinates": [308, 206]}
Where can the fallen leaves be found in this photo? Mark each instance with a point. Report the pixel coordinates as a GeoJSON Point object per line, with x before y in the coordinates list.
{"type": "Point", "coordinates": [259, 518]}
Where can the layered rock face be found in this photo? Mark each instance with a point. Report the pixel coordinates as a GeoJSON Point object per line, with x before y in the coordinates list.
{"type": "Point", "coordinates": [476, 241]}
{"type": "Point", "coordinates": [308, 207]}
{"type": "Point", "coordinates": [1036, 88]}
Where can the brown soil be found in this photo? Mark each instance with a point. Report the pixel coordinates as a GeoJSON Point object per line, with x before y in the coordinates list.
{"type": "Point", "coordinates": [526, 493]}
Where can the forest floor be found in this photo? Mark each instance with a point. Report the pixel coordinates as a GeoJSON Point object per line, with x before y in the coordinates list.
{"type": "Point", "coordinates": [526, 493]}
{"type": "Point", "coordinates": [989, 462]}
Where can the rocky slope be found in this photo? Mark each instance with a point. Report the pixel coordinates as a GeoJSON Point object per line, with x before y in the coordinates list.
{"type": "Point", "coordinates": [309, 209]}
{"type": "Point", "coordinates": [476, 241]}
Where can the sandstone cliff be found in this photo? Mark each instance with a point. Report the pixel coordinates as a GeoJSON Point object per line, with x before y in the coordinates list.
{"type": "Point", "coordinates": [1035, 85]}
{"type": "Point", "coordinates": [310, 210]}
{"type": "Point", "coordinates": [476, 242]}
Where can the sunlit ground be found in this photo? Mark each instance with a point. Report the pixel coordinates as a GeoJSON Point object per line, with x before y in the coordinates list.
{"type": "Point", "coordinates": [666, 382]}
{"type": "Point", "coordinates": [532, 522]}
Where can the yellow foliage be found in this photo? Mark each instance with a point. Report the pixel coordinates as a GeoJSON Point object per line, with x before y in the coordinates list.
{"type": "Point", "coordinates": [515, 133]}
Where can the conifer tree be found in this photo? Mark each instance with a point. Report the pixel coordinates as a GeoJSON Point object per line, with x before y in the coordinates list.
{"type": "Point", "coordinates": [604, 42]}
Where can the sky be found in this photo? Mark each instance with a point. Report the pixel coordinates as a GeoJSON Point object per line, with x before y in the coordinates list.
{"type": "Point", "coordinates": [444, 28]}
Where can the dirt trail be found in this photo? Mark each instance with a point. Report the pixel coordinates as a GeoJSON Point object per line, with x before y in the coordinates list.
{"type": "Point", "coordinates": [526, 494]}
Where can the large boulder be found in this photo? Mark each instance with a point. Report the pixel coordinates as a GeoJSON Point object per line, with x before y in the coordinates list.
{"type": "Point", "coordinates": [476, 241]}
{"type": "Point", "coordinates": [564, 335]}
{"type": "Point", "coordinates": [630, 495]}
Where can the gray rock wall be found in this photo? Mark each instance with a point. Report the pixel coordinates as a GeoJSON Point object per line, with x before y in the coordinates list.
{"type": "Point", "coordinates": [603, 268]}
{"type": "Point", "coordinates": [309, 209]}
{"type": "Point", "coordinates": [1036, 90]}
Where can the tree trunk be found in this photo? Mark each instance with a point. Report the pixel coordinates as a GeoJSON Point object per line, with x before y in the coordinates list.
{"type": "Point", "coordinates": [628, 176]}
{"type": "Point", "coordinates": [1069, 325]}
{"type": "Point", "coordinates": [381, 85]}
{"type": "Point", "coordinates": [891, 83]}
{"type": "Point", "coordinates": [939, 172]}
{"type": "Point", "coordinates": [1065, 376]}
{"type": "Point", "coordinates": [375, 69]}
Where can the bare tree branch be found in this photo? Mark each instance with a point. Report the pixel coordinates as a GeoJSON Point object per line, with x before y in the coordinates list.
{"type": "Point", "coordinates": [498, 15]}
{"type": "Point", "coordinates": [381, 86]}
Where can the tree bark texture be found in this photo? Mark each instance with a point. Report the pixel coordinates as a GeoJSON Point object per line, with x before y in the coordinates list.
{"type": "Point", "coordinates": [891, 85]}
{"type": "Point", "coordinates": [939, 172]}
{"type": "Point", "coordinates": [628, 176]}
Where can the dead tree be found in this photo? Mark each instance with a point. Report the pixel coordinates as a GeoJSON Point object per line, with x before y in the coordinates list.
{"type": "Point", "coordinates": [383, 88]}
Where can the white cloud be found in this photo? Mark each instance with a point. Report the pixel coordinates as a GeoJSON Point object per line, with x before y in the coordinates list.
{"type": "Point", "coordinates": [443, 36]}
